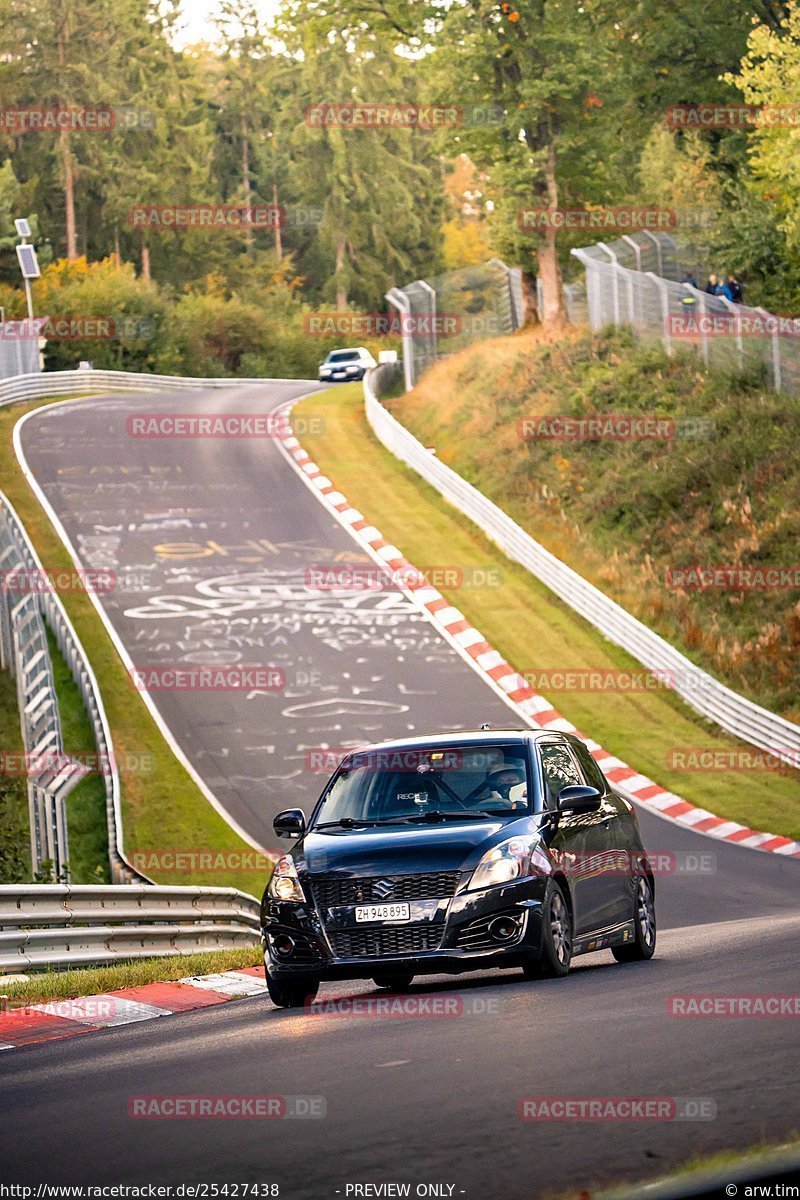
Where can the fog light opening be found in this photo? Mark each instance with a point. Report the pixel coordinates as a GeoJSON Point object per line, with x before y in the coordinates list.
{"type": "Point", "coordinates": [503, 929]}
{"type": "Point", "coordinates": [283, 945]}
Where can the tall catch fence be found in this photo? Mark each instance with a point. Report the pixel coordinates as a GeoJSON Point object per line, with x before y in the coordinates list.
{"type": "Point", "coordinates": [448, 312]}
{"type": "Point", "coordinates": [638, 281]}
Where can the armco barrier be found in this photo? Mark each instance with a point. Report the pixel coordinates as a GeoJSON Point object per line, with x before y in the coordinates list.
{"type": "Point", "coordinates": [24, 651]}
{"type": "Point", "coordinates": [45, 925]}
{"type": "Point", "coordinates": [86, 383]}
{"type": "Point", "coordinates": [706, 695]}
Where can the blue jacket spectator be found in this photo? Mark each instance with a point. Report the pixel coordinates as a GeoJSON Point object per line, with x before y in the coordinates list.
{"type": "Point", "coordinates": [731, 289]}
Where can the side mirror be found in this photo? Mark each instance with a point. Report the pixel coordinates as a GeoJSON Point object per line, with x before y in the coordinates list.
{"type": "Point", "coordinates": [578, 797]}
{"type": "Point", "coordinates": [290, 823]}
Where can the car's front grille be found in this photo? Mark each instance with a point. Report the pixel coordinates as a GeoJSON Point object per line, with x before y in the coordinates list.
{"type": "Point", "coordinates": [331, 891]}
{"type": "Point", "coordinates": [376, 943]}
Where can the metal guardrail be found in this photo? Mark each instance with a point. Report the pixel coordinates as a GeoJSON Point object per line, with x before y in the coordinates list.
{"type": "Point", "coordinates": [53, 925]}
{"type": "Point", "coordinates": [712, 699]}
{"type": "Point", "coordinates": [84, 383]}
{"type": "Point", "coordinates": [26, 602]}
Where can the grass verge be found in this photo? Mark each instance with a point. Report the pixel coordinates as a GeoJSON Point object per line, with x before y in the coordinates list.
{"type": "Point", "coordinates": [89, 981]}
{"type": "Point", "coordinates": [86, 804]}
{"type": "Point", "coordinates": [15, 844]}
{"type": "Point", "coordinates": [533, 629]}
{"type": "Point", "coordinates": [163, 810]}
{"type": "Point", "coordinates": [714, 1169]}
{"type": "Point", "coordinates": [719, 487]}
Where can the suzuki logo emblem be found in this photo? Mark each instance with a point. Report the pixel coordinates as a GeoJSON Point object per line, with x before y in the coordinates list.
{"type": "Point", "coordinates": [383, 888]}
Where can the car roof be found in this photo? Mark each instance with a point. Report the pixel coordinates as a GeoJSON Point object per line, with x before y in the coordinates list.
{"type": "Point", "coordinates": [349, 350]}
{"type": "Point", "coordinates": [462, 736]}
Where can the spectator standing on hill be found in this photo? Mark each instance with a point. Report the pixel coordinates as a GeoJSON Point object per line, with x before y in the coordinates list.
{"type": "Point", "coordinates": [689, 278]}
{"type": "Point", "coordinates": [732, 289]}
{"type": "Point", "coordinates": [713, 287]}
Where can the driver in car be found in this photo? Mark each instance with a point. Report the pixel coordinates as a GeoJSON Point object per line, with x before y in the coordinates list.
{"type": "Point", "coordinates": [499, 783]}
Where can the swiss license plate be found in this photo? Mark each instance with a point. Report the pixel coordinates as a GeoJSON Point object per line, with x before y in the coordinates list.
{"type": "Point", "coordinates": [383, 912]}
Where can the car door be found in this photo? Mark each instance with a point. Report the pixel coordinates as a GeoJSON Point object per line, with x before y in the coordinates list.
{"type": "Point", "coordinates": [607, 847]}
{"type": "Point", "coordinates": [575, 839]}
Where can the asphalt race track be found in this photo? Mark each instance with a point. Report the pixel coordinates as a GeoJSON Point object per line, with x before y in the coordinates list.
{"type": "Point", "coordinates": [418, 1100]}
{"type": "Point", "coordinates": [210, 542]}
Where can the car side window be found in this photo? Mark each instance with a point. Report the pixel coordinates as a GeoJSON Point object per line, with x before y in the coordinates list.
{"type": "Point", "coordinates": [559, 768]}
{"type": "Point", "coordinates": [592, 773]}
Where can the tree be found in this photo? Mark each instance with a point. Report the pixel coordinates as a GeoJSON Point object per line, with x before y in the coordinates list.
{"type": "Point", "coordinates": [770, 75]}
{"type": "Point", "coordinates": [379, 190]}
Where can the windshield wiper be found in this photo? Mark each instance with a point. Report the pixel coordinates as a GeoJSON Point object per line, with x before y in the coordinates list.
{"type": "Point", "coordinates": [466, 815]}
{"type": "Point", "coordinates": [357, 823]}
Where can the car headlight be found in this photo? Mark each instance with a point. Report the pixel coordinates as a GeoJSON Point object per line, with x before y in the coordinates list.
{"type": "Point", "coordinates": [352, 368]}
{"type": "Point", "coordinates": [324, 370]}
{"type": "Point", "coordinates": [517, 858]}
{"type": "Point", "coordinates": [285, 884]}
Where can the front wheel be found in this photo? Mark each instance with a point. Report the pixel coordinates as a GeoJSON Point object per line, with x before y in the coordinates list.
{"type": "Point", "coordinates": [644, 926]}
{"type": "Point", "coordinates": [291, 993]}
{"type": "Point", "coordinates": [400, 982]}
{"type": "Point", "coordinates": [556, 953]}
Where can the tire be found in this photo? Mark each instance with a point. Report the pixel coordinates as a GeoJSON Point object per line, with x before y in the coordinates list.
{"type": "Point", "coordinates": [400, 982]}
{"type": "Point", "coordinates": [291, 993]}
{"type": "Point", "coordinates": [556, 955]}
{"type": "Point", "coordinates": [644, 926]}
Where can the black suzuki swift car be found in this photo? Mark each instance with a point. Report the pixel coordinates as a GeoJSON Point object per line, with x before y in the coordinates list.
{"type": "Point", "coordinates": [456, 853]}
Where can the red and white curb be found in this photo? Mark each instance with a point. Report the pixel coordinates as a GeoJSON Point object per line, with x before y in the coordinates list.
{"type": "Point", "coordinates": [63, 1018]}
{"type": "Point", "coordinates": [529, 704]}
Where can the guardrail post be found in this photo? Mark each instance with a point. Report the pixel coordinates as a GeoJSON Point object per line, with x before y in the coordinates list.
{"type": "Point", "coordinates": [664, 295]}
{"type": "Point", "coordinates": [615, 279]}
{"type": "Point", "coordinates": [403, 305]}
{"type": "Point", "coordinates": [659, 252]}
{"type": "Point", "coordinates": [775, 346]}
{"type": "Point", "coordinates": [637, 250]}
{"type": "Point", "coordinates": [734, 308]}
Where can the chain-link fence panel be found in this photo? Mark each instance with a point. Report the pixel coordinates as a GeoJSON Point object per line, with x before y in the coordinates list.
{"type": "Point", "coordinates": [449, 312]}
{"type": "Point", "coordinates": [646, 283]}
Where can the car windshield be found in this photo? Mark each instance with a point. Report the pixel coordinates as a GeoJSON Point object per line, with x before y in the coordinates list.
{"type": "Point", "coordinates": [400, 786]}
{"type": "Point", "coordinates": [337, 356]}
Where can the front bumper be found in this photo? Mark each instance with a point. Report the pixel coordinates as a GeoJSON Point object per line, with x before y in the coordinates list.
{"type": "Point", "coordinates": [442, 936]}
{"type": "Point", "coordinates": [342, 377]}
